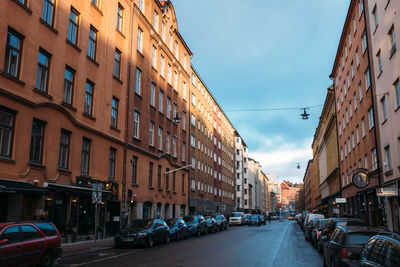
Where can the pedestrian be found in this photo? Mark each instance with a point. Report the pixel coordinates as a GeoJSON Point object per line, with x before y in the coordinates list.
{"type": "Point", "coordinates": [269, 218]}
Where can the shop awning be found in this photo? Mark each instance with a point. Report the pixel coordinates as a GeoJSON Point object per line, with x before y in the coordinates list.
{"type": "Point", "coordinates": [20, 187]}
{"type": "Point", "coordinates": [73, 188]}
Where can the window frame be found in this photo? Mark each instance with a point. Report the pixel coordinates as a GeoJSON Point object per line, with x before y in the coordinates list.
{"type": "Point", "coordinates": [43, 70]}
{"type": "Point", "coordinates": [34, 138]}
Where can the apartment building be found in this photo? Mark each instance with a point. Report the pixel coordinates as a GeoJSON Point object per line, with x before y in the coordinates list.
{"type": "Point", "coordinates": [211, 152]}
{"type": "Point", "coordinates": [93, 92]}
{"type": "Point", "coordinates": [384, 29]}
{"type": "Point", "coordinates": [307, 184]}
{"type": "Point", "coordinates": [241, 173]}
{"type": "Point", "coordinates": [259, 182]}
{"type": "Point", "coordinates": [354, 88]}
{"type": "Point", "coordinates": [328, 162]}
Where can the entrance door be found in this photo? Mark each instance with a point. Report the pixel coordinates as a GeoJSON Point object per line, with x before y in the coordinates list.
{"type": "Point", "coordinates": [395, 214]}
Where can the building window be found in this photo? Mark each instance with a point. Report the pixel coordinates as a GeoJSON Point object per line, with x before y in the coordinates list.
{"type": "Point", "coordinates": [155, 21]}
{"type": "Point", "coordinates": [134, 170]}
{"type": "Point", "coordinates": [114, 112]}
{"type": "Point", "coordinates": [184, 90]}
{"type": "Point", "coordinates": [167, 180]}
{"type": "Point", "coordinates": [384, 110]}
{"type": "Point", "coordinates": [160, 135]}
{"type": "Point", "coordinates": [151, 134]}
{"type": "Point", "coordinates": [367, 80]}
{"type": "Point", "coordinates": [37, 138]}
{"type": "Point", "coordinates": [357, 58]}
{"type": "Point", "coordinates": [7, 121]}
{"type": "Point", "coordinates": [192, 141]}
{"type": "Point", "coordinates": [363, 127]}
{"type": "Point", "coordinates": [69, 78]}
{"type": "Point", "coordinates": [85, 156]}
{"type": "Point", "coordinates": [354, 24]}
{"type": "Point", "coordinates": [96, 3]}
{"type": "Point", "coordinates": [12, 60]}
{"type": "Point", "coordinates": [141, 5]}
{"type": "Point", "coordinates": [120, 18]}
{"type": "Point", "coordinates": [162, 65]}
{"type": "Point", "coordinates": [42, 75]}
{"type": "Point", "coordinates": [175, 80]}
{"type": "Point", "coordinates": [355, 101]}
{"type": "Point", "coordinates": [151, 164]}
{"type": "Point", "coordinates": [73, 26]}
{"type": "Point", "coordinates": [92, 43]}
{"type": "Point", "coordinates": [366, 162]}
{"type": "Point", "coordinates": [48, 11]}
{"type": "Point", "coordinates": [117, 64]}
{"type": "Point", "coordinates": [159, 177]}
{"type": "Point", "coordinates": [183, 183]}
{"type": "Point", "coordinates": [397, 92]}
{"type": "Point", "coordinates": [169, 73]}
{"type": "Point", "coordinates": [183, 151]}
{"type": "Point", "coordinates": [392, 40]}
{"type": "Point", "coordinates": [153, 57]}
{"type": "Point", "coordinates": [163, 31]}
{"type": "Point", "coordinates": [360, 90]}
{"type": "Point", "coordinates": [371, 118]}
{"type": "Point", "coordinates": [364, 41]}
{"type": "Point", "coordinates": [167, 147]}
{"type": "Point", "coordinates": [174, 107]}
{"type": "Point", "coordinates": [375, 15]}
{"type": "Point", "coordinates": [88, 108]}
{"type": "Point", "coordinates": [174, 146]}
{"type": "Point", "coordinates": [374, 159]}
{"type": "Point", "coordinates": [388, 160]}
{"type": "Point", "coordinates": [111, 167]}
{"type": "Point", "coordinates": [379, 59]}
{"type": "Point", "coordinates": [139, 40]}
{"type": "Point", "coordinates": [168, 108]}
{"type": "Point", "coordinates": [152, 94]}
{"type": "Point", "coordinates": [357, 134]}
{"type": "Point", "coordinates": [360, 7]}
{"type": "Point", "coordinates": [136, 119]}
{"type": "Point", "coordinates": [138, 83]}
{"type": "Point", "coordinates": [64, 149]}
{"type": "Point", "coordinates": [160, 101]}
{"type": "Point", "coordinates": [183, 120]}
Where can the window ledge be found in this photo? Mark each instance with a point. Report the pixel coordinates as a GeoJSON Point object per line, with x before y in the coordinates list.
{"type": "Point", "coordinates": [183, 194]}
{"type": "Point", "coordinates": [134, 185]}
{"type": "Point", "coordinates": [97, 8]}
{"type": "Point", "coordinates": [136, 139]}
{"type": "Point", "coordinates": [117, 79]}
{"type": "Point", "coordinates": [151, 188]}
{"type": "Point", "coordinates": [376, 27]}
{"type": "Point", "coordinates": [12, 78]}
{"type": "Point", "coordinates": [389, 172]}
{"type": "Point", "coordinates": [383, 122]}
{"type": "Point", "coordinates": [159, 112]}
{"type": "Point", "coordinates": [6, 159]}
{"type": "Point", "coordinates": [173, 192]}
{"type": "Point", "coordinates": [396, 109]}
{"type": "Point", "coordinates": [68, 106]}
{"type": "Point", "coordinates": [123, 35]}
{"type": "Point", "coordinates": [64, 171]}
{"type": "Point", "coordinates": [93, 60]}
{"type": "Point", "coordinates": [138, 95]}
{"type": "Point", "coordinates": [140, 53]}
{"type": "Point", "coordinates": [73, 45]}
{"type": "Point", "coordinates": [159, 189]}
{"type": "Point", "coordinates": [37, 165]}
{"type": "Point", "coordinates": [36, 90]}
{"type": "Point", "coordinates": [48, 26]}
{"type": "Point", "coordinates": [379, 75]}
{"type": "Point", "coordinates": [89, 116]}
{"type": "Point", "coordinates": [27, 9]}
{"type": "Point", "coordinates": [115, 129]}
{"type": "Point", "coordinates": [153, 107]}
{"type": "Point", "coordinates": [392, 51]}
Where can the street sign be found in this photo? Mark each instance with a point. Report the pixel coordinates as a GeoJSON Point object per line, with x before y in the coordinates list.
{"type": "Point", "coordinates": [387, 192]}
{"type": "Point", "coordinates": [340, 200]}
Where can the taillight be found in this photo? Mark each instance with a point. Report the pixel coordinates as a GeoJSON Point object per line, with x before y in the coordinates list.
{"type": "Point", "coordinates": [330, 233]}
{"type": "Point", "coordinates": [344, 253]}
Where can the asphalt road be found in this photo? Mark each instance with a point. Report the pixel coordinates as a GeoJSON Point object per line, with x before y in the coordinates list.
{"type": "Point", "coordinates": [280, 243]}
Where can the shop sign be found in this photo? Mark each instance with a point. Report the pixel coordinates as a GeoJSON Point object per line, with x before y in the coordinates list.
{"type": "Point", "coordinates": [336, 211]}
{"type": "Point", "coordinates": [360, 178]}
{"type": "Point", "coordinates": [387, 192]}
{"type": "Point", "coordinates": [340, 200]}
{"type": "Point", "coordinates": [5, 189]}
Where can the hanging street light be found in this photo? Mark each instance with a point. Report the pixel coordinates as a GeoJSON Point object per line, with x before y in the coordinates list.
{"type": "Point", "coordinates": [304, 115]}
{"type": "Point", "coordinates": [298, 165]}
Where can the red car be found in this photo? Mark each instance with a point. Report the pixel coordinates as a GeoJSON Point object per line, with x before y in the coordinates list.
{"type": "Point", "coordinates": [29, 243]}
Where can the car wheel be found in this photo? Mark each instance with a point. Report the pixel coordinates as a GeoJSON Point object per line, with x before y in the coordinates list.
{"type": "Point", "coordinates": [198, 232]}
{"type": "Point", "coordinates": [47, 259]}
{"type": "Point", "coordinates": [178, 236]}
{"type": "Point", "coordinates": [167, 239]}
{"type": "Point", "coordinates": [150, 241]}
{"type": "Point", "coordinates": [206, 231]}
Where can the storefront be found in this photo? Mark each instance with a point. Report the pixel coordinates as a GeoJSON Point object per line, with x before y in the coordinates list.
{"type": "Point", "coordinates": [390, 195]}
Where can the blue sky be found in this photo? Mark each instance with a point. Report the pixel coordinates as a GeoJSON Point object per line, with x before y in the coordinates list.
{"type": "Point", "coordinates": [266, 54]}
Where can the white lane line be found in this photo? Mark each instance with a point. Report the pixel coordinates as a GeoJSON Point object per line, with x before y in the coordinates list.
{"type": "Point", "coordinates": [103, 259]}
{"type": "Point", "coordinates": [284, 233]}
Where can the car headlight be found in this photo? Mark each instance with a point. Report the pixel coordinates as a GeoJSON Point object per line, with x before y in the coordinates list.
{"type": "Point", "coordinates": [141, 234]}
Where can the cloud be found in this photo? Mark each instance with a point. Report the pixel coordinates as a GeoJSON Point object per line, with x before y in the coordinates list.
{"type": "Point", "coordinates": [282, 160]}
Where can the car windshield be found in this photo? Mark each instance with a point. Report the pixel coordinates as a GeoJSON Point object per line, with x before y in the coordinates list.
{"type": "Point", "coordinates": [142, 224]}
{"type": "Point", "coordinates": [218, 217]}
{"type": "Point", "coordinates": [248, 216]}
{"type": "Point", "coordinates": [190, 219]}
{"type": "Point", "coordinates": [358, 238]}
{"type": "Point", "coordinates": [236, 215]}
{"type": "Point", "coordinates": [254, 217]}
{"type": "Point", "coordinates": [46, 228]}
{"type": "Point", "coordinates": [171, 222]}
{"type": "Point", "coordinates": [350, 223]}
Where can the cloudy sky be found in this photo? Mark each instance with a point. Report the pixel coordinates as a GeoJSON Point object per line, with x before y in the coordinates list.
{"type": "Point", "coordinates": [266, 54]}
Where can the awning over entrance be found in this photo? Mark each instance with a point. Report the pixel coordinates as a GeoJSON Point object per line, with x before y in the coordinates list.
{"type": "Point", "coordinates": [20, 187]}
{"type": "Point", "coordinates": [72, 188]}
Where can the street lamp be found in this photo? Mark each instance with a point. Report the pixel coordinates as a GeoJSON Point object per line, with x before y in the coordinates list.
{"type": "Point", "coordinates": [304, 115]}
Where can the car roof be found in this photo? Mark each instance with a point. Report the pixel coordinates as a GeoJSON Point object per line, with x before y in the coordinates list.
{"type": "Point", "coordinates": [364, 229]}
{"type": "Point", "coordinates": [389, 235]}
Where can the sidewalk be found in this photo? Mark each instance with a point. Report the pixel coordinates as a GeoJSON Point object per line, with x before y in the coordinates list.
{"type": "Point", "coordinates": [71, 249]}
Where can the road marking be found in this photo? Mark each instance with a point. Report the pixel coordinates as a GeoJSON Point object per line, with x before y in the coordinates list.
{"type": "Point", "coordinates": [103, 259]}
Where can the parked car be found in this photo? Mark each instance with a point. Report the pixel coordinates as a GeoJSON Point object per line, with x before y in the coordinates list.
{"type": "Point", "coordinates": [29, 243]}
{"type": "Point", "coordinates": [197, 225]}
{"type": "Point", "coordinates": [255, 219]}
{"type": "Point", "coordinates": [143, 232]}
{"type": "Point", "coordinates": [212, 225]}
{"type": "Point", "coordinates": [221, 222]}
{"type": "Point", "coordinates": [316, 231]}
{"type": "Point", "coordinates": [263, 220]}
{"type": "Point", "coordinates": [247, 218]}
{"type": "Point", "coordinates": [178, 229]}
{"type": "Point", "coordinates": [309, 222]}
{"type": "Point", "coordinates": [236, 218]}
{"type": "Point", "coordinates": [345, 242]}
{"type": "Point", "coordinates": [380, 250]}
{"type": "Point", "coordinates": [330, 226]}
